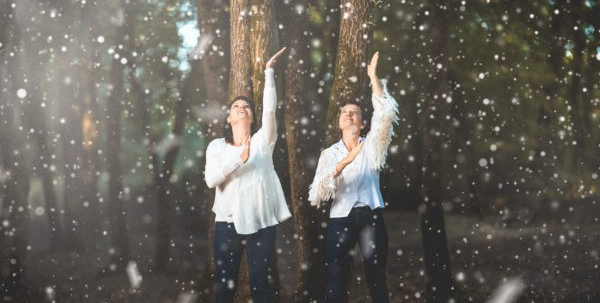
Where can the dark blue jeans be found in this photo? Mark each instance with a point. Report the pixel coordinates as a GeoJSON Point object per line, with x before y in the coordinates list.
{"type": "Point", "coordinates": [366, 227]}
{"type": "Point", "coordinates": [229, 247]}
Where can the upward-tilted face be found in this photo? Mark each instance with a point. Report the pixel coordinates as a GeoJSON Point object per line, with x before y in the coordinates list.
{"type": "Point", "coordinates": [240, 111]}
{"type": "Point", "coordinates": [350, 118]}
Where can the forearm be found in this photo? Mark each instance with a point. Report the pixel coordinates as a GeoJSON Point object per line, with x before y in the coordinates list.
{"type": "Point", "coordinates": [340, 167]}
{"type": "Point", "coordinates": [324, 184]}
{"type": "Point", "coordinates": [215, 175]}
{"type": "Point", "coordinates": [376, 86]}
{"type": "Point", "coordinates": [385, 115]}
{"type": "Point", "coordinates": [269, 106]}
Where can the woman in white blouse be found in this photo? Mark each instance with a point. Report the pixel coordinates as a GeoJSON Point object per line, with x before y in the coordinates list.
{"type": "Point", "coordinates": [348, 173]}
{"type": "Point", "coordinates": [249, 200]}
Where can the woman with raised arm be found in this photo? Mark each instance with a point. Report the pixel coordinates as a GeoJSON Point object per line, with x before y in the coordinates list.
{"type": "Point", "coordinates": [249, 200]}
{"type": "Point", "coordinates": [348, 173]}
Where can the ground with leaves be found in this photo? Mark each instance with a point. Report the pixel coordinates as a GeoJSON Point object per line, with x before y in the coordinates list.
{"type": "Point", "coordinates": [556, 261]}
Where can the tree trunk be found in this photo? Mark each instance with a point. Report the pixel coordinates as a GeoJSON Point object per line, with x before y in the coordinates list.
{"type": "Point", "coordinates": [439, 284]}
{"type": "Point", "coordinates": [118, 229]}
{"type": "Point", "coordinates": [252, 24]}
{"type": "Point", "coordinates": [213, 22]}
{"type": "Point", "coordinates": [578, 114]}
{"type": "Point", "coordinates": [464, 131]}
{"type": "Point", "coordinates": [88, 95]}
{"type": "Point", "coordinates": [35, 119]}
{"type": "Point", "coordinates": [330, 31]}
{"type": "Point", "coordinates": [163, 179]}
{"type": "Point", "coordinates": [350, 77]}
{"type": "Point", "coordinates": [300, 96]}
{"type": "Point", "coordinates": [14, 190]}
{"type": "Point", "coordinates": [262, 29]}
{"type": "Point", "coordinates": [241, 62]}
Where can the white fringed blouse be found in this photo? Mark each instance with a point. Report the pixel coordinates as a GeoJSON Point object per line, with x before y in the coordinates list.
{"type": "Point", "coordinates": [358, 184]}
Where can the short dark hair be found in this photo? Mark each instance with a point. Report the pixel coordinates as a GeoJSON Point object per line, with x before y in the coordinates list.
{"type": "Point", "coordinates": [347, 102]}
{"type": "Point", "coordinates": [227, 132]}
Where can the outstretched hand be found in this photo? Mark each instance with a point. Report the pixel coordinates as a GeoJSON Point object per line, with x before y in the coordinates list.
{"type": "Point", "coordinates": [372, 72]}
{"type": "Point", "coordinates": [372, 68]}
{"type": "Point", "coordinates": [273, 59]}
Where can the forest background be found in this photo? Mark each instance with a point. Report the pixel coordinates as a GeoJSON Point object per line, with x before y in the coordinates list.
{"type": "Point", "coordinates": [106, 108]}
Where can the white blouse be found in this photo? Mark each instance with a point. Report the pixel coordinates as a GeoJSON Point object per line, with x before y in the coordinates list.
{"type": "Point", "coordinates": [358, 183]}
{"type": "Point", "coordinates": [249, 195]}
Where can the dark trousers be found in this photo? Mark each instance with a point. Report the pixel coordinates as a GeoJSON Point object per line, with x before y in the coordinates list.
{"type": "Point", "coordinates": [229, 247]}
{"type": "Point", "coordinates": [366, 227]}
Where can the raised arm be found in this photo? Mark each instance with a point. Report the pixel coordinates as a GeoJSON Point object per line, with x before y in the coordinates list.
{"type": "Point", "coordinates": [270, 99]}
{"type": "Point", "coordinates": [385, 115]}
{"type": "Point", "coordinates": [216, 170]}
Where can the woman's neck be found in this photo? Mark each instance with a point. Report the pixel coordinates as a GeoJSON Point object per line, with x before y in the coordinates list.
{"type": "Point", "coordinates": [350, 139]}
{"type": "Point", "coordinates": [240, 134]}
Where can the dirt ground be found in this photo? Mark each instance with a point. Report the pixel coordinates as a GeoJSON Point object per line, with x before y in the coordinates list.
{"type": "Point", "coordinates": [556, 262]}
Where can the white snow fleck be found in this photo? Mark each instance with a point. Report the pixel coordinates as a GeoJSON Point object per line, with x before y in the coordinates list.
{"type": "Point", "coordinates": [135, 279]}
{"type": "Point", "coordinates": [508, 291]}
{"type": "Point", "coordinates": [21, 93]}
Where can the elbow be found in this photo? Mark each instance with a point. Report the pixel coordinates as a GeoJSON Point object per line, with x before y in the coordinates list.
{"type": "Point", "coordinates": [211, 183]}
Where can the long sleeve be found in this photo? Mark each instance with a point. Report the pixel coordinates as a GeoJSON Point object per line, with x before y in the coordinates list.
{"type": "Point", "coordinates": [385, 115]}
{"type": "Point", "coordinates": [269, 106]}
{"type": "Point", "coordinates": [324, 185]}
{"type": "Point", "coordinates": [216, 170]}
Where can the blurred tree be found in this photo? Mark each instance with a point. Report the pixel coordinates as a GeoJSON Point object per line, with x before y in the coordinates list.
{"type": "Point", "coordinates": [35, 119]}
{"type": "Point", "coordinates": [440, 285]}
{"type": "Point", "coordinates": [118, 231]}
{"type": "Point", "coordinates": [88, 75]}
{"type": "Point", "coordinates": [302, 130]}
{"type": "Point", "coordinates": [15, 181]}
{"type": "Point", "coordinates": [213, 21]}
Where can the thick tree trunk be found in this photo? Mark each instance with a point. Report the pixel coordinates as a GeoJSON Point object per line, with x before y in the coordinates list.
{"type": "Point", "coordinates": [300, 96]}
{"type": "Point", "coordinates": [439, 284]}
{"type": "Point", "coordinates": [252, 24]}
{"type": "Point", "coordinates": [350, 78]}
{"type": "Point", "coordinates": [240, 82]}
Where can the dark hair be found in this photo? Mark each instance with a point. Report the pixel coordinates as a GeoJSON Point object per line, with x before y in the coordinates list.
{"type": "Point", "coordinates": [227, 132]}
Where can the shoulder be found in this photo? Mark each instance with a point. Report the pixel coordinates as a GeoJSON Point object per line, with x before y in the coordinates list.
{"type": "Point", "coordinates": [259, 136]}
{"type": "Point", "coordinates": [216, 144]}
{"type": "Point", "coordinates": [330, 151]}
